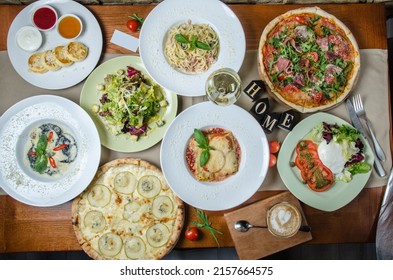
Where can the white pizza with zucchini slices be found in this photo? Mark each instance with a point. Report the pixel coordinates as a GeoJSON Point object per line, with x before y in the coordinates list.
{"type": "Point", "coordinates": [128, 212]}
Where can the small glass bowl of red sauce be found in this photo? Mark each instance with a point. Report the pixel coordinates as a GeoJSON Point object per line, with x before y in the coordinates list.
{"type": "Point", "coordinates": [44, 18]}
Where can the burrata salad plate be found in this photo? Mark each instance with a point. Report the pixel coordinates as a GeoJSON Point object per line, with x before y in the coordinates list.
{"type": "Point", "coordinates": [209, 187]}
{"type": "Point", "coordinates": [190, 19]}
{"type": "Point", "coordinates": [325, 162]}
{"type": "Point", "coordinates": [49, 150]}
{"type": "Point", "coordinates": [65, 72]}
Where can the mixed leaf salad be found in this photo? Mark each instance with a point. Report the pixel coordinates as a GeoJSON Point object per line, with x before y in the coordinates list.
{"type": "Point", "coordinates": [130, 103]}
{"type": "Point", "coordinates": [330, 153]}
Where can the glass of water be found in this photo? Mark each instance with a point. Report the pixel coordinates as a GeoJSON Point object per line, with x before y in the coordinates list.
{"type": "Point", "coordinates": [223, 86]}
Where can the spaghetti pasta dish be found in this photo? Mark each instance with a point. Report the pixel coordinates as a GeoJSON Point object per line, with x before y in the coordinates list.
{"type": "Point", "coordinates": [191, 48]}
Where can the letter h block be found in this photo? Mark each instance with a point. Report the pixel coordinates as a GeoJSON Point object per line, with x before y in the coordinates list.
{"type": "Point", "coordinates": [255, 89]}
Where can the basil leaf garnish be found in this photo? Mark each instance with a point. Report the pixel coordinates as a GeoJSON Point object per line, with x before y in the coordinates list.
{"type": "Point", "coordinates": [40, 163]}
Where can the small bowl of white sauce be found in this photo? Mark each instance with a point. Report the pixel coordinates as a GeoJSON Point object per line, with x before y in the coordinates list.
{"type": "Point", "coordinates": [29, 38]}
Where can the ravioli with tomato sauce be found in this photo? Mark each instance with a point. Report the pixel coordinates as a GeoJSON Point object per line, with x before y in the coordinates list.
{"type": "Point", "coordinates": [308, 59]}
{"type": "Point", "coordinates": [224, 159]}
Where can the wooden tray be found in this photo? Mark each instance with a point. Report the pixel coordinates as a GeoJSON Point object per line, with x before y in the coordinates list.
{"type": "Point", "coordinates": [258, 243]}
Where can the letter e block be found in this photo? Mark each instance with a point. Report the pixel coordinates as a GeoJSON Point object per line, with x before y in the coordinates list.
{"type": "Point", "coordinates": [260, 108]}
{"type": "Point", "coordinates": [287, 120]}
{"type": "Point", "coordinates": [269, 122]}
{"type": "Point", "coordinates": [255, 89]}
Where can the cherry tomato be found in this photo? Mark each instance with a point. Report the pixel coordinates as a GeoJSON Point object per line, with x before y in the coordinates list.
{"type": "Point", "coordinates": [132, 24]}
{"type": "Point", "coordinates": [274, 146]}
{"type": "Point", "coordinates": [192, 233]}
{"type": "Point", "coordinates": [272, 160]}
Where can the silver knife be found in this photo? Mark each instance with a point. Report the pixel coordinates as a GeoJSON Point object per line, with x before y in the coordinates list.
{"type": "Point", "coordinates": [358, 125]}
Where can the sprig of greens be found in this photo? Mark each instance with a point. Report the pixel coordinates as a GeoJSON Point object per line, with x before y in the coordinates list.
{"type": "Point", "coordinates": [204, 223]}
{"type": "Point", "coordinates": [194, 43]}
{"type": "Point", "coordinates": [41, 161]}
{"type": "Point", "coordinates": [203, 143]}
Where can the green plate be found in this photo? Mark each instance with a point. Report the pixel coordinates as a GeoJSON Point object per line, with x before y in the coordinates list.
{"type": "Point", "coordinates": [123, 142]}
{"type": "Point", "coordinates": [341, 193]}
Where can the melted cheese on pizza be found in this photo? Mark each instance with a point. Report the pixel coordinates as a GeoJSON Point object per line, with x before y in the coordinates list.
{"type": "Point", "coordinates": [224, 158]}
{"type": "Point", "coordinates": [128, 212]}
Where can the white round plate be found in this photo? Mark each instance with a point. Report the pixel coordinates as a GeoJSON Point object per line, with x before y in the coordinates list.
{"type": "Point", "coordinates": [171, 13]}
{"type": "Point", "coordinates": [66, 76]}
{"type": "Point", "coordinates": [17, 179]}
{"type": "Point", "coordinates": [237, 188]}
{"type": "Point", "coordinates": [341, 193]}
{"type": "Point", "coordinates": [89, 98]}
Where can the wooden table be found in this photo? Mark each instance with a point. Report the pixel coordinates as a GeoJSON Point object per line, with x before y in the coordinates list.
{"type": "Point", "coordinates": [25, 228]}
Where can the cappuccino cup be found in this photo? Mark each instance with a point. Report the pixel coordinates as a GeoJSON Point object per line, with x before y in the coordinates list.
{"type": "Point", "coordinates": [283, 220]}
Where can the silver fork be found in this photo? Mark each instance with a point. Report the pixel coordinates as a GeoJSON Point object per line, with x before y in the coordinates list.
{"type": "Point", "coordinates": [361, 113]}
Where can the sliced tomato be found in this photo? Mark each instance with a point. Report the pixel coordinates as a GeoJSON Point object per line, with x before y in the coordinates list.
{"type": "Point", "coordinates": [306, 145]}
{"type": "Point", "coordinates": [320, 178]}
{"type": "Point", "coordinates": [315, 174]}
{"type": "Point", "coordinates": [317, 97]}
{"type": "Point", "coordinates": [290, 88]}
{"type": "Point", "coordinates": [301, 20]}
{"type": "Point", "coordinates": [313, 55]}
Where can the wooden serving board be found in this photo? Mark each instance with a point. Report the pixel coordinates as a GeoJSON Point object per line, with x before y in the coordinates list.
{"type": "Point", "coordinates": [259, 242]}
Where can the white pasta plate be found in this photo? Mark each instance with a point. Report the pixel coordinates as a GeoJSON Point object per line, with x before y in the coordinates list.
{"type": "Point", "coordinates": [18, 179]}
{"type": "Point", "coordinates": [237, 188]}
{"type": "Point", "coordinates": [171, 13]}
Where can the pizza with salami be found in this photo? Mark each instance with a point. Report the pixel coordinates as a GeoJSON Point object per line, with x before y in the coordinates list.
{"type": "Point", "coordinates": [128, 212]}
{"type": "Point", "coordinates": [308, 59]}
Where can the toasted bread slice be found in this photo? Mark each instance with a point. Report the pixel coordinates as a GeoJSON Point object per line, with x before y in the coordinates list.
{"type": "Point", "coordinates": [60, 53]}
{"type": "Point", "coordinates": [35, 63]}
{"type": "Point", "coordinates": [76, 51]}
{"type": "Point", "coordinates": [49, 61]}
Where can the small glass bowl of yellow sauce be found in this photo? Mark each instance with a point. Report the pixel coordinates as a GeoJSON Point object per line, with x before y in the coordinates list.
{"type": "Point", "coordinates": [69, 26]}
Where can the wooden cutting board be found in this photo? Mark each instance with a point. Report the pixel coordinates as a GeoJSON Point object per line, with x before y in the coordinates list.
{"type": "Point", "coordinates": [258, 243]}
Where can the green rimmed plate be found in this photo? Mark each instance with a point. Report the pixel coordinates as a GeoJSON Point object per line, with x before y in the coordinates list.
{"type": "Point", "coordinates": [341, 193]}
{"type": "Point", "coordinates": [89, 98]}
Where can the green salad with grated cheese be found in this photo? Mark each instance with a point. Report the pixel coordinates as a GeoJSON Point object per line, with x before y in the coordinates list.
{"type": "Point", "coordinates": [130, 103]}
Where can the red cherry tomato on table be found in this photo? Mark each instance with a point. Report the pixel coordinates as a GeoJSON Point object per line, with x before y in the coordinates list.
{"type": "Point", "coordinates": [272, 160]}
{"type": "Point", "coordinates": [192, 233]}
{"type": "Point", "coordinates": [274, 146]}
{"type": "Point", "coordinates": [132, 24]}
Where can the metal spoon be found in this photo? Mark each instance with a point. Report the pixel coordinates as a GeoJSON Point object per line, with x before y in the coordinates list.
{"type": "Point", "coordinates": [244, 226]}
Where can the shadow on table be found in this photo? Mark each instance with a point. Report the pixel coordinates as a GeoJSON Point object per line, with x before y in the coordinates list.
{"type": "Point", "coordinates": [302, 252]}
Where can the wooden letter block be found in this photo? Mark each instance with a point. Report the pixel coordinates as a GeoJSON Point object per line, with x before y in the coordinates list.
{"type": "Point", "coordinates": [254, 89]}
{"type": "Point", "coordinates": [287, 120]}
{"type": "Point", "coordinates": [269, 122]}
{"type": "Point", "coordinates": [260, 108]}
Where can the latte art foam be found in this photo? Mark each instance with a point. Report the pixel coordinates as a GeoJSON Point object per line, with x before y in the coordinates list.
{"type": "Point", "coordinates": [283, 220]}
